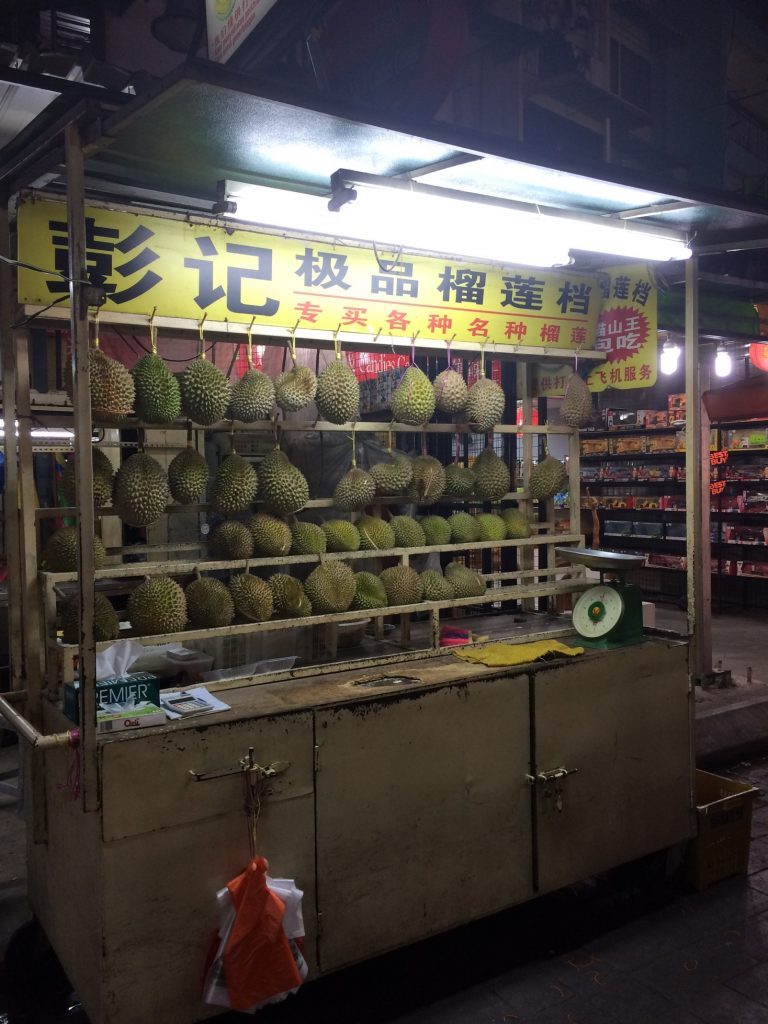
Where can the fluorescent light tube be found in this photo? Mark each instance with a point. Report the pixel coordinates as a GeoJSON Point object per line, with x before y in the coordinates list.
{"type": "Point", "coordinates": [669, 358]}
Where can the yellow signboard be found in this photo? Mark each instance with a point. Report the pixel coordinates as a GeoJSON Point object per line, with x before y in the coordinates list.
{"type": "Point", "coordinates": [147, 262]}
{"type": "Point", "coordinates": [626, 332]}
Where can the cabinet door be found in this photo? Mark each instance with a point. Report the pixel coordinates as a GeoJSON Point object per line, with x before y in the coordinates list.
{"type": "Point", "coordinates": [622, 719]}
{"type": "Point", "coordinates": [423, 815]}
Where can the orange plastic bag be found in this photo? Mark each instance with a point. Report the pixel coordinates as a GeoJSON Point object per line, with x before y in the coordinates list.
{"type": "Point", "coordinates": [258, 962]}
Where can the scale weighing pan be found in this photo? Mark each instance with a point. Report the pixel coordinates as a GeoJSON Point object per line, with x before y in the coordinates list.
{"type": "Point", "coordinates": [602, 561]}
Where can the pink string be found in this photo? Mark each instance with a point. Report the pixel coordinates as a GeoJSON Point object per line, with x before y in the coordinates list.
{"type": "Point", "coordinates": [72, 784]}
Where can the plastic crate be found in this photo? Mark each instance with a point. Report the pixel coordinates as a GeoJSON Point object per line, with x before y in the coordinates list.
{"type": "Point", "coordinates": [724, 814]}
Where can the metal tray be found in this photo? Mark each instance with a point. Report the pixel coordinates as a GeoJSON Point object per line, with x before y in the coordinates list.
{"type": "Point", "coordinates": [602, 561]}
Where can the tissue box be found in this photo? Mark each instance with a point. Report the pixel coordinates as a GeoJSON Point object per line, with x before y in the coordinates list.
{"type": "Point", "coordinates": [140, 687]}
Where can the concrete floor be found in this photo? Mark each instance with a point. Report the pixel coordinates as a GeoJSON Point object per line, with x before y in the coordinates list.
{"type": "Point", "coordinates": [636, 947]}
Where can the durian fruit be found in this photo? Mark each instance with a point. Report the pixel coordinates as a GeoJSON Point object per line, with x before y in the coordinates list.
{"type": "Point", "coordinates": [492, 527]}
{"type": "Point", "coordinates": [295, 389]}
{"type": "Point", "coordinates": [375, 534]}
{"type": "Point", "coordinates": [205, 392]}
{"type": "Point", "coordinates": [492, 476]}
{"type": "Point", "coordinates": [437, 530]}
{"type": "Point", "coordinates": [231, 540]}
{"type": "Point", "coordinates": [547, 478]}
{"type": "Point", "coordinates": [428, 484]}
{"type": "Point", "coordinates": [209, 603]}
{"type": "Point", "coordinates": [252, 397]}
{"type": "Point", "coordinates": [188, 476]}
{"type": "Point", "coordinates": [576, 407]}
{"type": "Point", "coordinates": [485, 405]}
{"type": "Point", "coordinates": [234, 486]}
{"type": "Point", "coordinates": [60, 553]}
{"type": "Point", "coordinates": [338, 392]}
{"type": "Point", "coordinates": [402, 584]}
{"type": "Point", "coordinates": [112, 388]}
{"type": "Point", "coordinates": [465, 582]}
{"type": "Point", "coordinates": [271, 536]}
{"type": "Point", "coordinates": [341, 535]}
{"type": "Point", "coordinates": [464, 528]}
{"type": "Point", "coordinates": [517, 525]}
{"type": "Point", "coordinates": [330, 587]}
{"type": "Point", "coordinates": [414, 399]}
{"type": "Point", "coordinates": [450, 391]}
{"type": "Point", "coordinates": [394, 476]}
{"type": "Point", "coordinates": [459, 481]}
{"type": "Point", "coordinates": [251, 596]}
{"type": "Point", "coordinates": [354, 491]}
{"type": "Point", "coordinates": [106, 624]}
{"type": "Point", "coordinates": [435, 587]}
{"type": "Point", "coordinates": [370, 592]}
{"type": "Point", "coordinates": [158, 396]}
{"type": "Point", "coordinates": [103, 475]}
{"type": "Point", "coordinates": [141, 490]}
{"type": "Point", "coordinates": [308, 539]}
{"type": "Point", "coordinates": [283, 487]}
{"type": "Point", "coordinates": [288, 597]}
{"type": "Point", "coordinates": [157, 605]}
{"type": "Point", "coordinates": [408, 533]}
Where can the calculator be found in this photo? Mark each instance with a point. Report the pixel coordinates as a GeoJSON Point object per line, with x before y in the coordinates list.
{"type": "Point", "coordinates": [186, 704]}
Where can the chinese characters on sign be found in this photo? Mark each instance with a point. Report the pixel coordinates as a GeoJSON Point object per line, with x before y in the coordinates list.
{"type": "Point", "coordinates": [184, 270]}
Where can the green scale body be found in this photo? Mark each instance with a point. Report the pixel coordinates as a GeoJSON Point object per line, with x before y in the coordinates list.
{"type": "Point", "coordinates": [609, 615]}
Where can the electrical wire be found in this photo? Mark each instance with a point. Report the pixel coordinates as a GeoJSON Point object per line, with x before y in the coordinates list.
{"type": "Point", "coordinates": [28, 319]}
{"type": "Point", "coordinates": [42, 270]}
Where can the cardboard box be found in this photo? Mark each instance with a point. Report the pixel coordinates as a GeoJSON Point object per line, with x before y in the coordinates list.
{"type": "Point", "coordinates": [139, 687]}
{"type": "Point", "coordinates": [724, 814]}
{"type": "Point", "coordinates": [594, 445]}
{"type": "Point", "coordinates": [663, 443]}
{"type": "Point", "coordinates": [124, 721]}
{"type": "Point", "coordinates": [655, 419]}
{"type": "Point", "coordinates": [627, 445]}
{"type": "Point", "coordinates": [676, 401]}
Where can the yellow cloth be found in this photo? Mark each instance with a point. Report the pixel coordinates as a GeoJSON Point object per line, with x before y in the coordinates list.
{"type": "Point", "coordinates": [515, 654]}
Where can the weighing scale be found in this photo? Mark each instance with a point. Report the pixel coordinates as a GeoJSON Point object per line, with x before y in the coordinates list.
{"type": "Point", "coordinates": [610, 614]}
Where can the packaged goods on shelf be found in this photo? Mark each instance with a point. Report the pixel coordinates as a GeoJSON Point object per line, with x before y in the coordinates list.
{"type": "Point", "coordinates": [655, 419]}
{"type": "Point", "coordinates": [664, 561]}
{"type": "Point", "coordinates": [746, 470]}
{"type": "Point", "coordinates": [676, 401]}
{"type": "Point", "coordinates": [594, 446]}
{"type": "Point", "coordinates": [628, 501]}
{"type": "Point", "coordinates": [757, 503]}
{"type": "Point", "coordinates": [739, 440]}
{"type": "Point", "coordinates": [730, 567]}
{"type": "Point", "coordinates": [618, 528]}
{"type": "Point", "coordinates": [647, 528]}
{"type": "Point", "coordinates": [626, 419]}
{"type": "Point", "coordinates": [753, 569]}
{"type": "Point", "coordinates": [590, 474]}
{"type": "Point", "coordinates": [663, 443]}
{"type": "Point", "coordinates": [673, 502]}
{"type": "Point", "coordinates": [676, 531]}
{"type": "Point", "coordinates": [627, 445]}
{"type": "Point", "coordinates": [739, 534]}
{"type": "Point", "coordinates": [647, 503]}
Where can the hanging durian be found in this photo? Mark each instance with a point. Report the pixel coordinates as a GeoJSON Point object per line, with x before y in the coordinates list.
{"type": "Point", "coordinates": [356, 489]}
{"type": "Point", "coordinates": [576, 407]}
{"type": "Point", "coordinates": [338, 391]}
{"type": "Point", "coordinates": [158, 396]}
{"type": "Point", "coordinates": [485, 403]}
{"type": "Point", "coordinates": [253, 395]}
{"type": "Point", "coordinates": [414, 399]}
{"type": "Point", "coordinates": [205, 391]}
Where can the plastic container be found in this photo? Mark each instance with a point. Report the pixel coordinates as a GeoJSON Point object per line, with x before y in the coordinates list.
{"type": "Point", "coordinates": [256, 668]}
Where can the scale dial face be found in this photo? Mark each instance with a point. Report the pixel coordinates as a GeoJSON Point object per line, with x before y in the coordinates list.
{"type": "Point", "coordinates": [597, 612]}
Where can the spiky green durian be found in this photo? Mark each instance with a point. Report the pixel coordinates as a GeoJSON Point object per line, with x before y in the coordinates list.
{"type": "Point", "coordinates": [576, 407]}
{"type": "Point", "coordinates": [338, 393]}
{"type": "Point", "coordinates": [341, 535]}
{"type": "Point", "coordinates": [354, 491]}
{"type": "Point", "coordinates": [450, 391]}
{"type": "Point", "coordinates": [492, 476]}
{"type": "Point", "coordinates": [60, 553]}
{"type": "Point", "coordinates": [252, 597]}
{"type": "Point", "coordinates": [465, 582]}
{"type": "Point", "coordinates": [252, 397]}
{"type": "Point", "coordinates": [414, 399]}
{"type": "Point", "coordinates": [459, 481]}
{"type": "Point", "coordinates": [330, 587]}
{"type": "Point", "coordinates": [547, 478]}
{"type": "Point", "coordinates": [308, 539]}
{"type": "Point", "coordinates": [428, 484]}
{"type": "Point", "coordinates": [141, 490]}
{"type": "Point", "coordinates": [402, 584]}
{"type": "Point", "coordinates": [370, 592]}
{"type": "Point", "coordinates": [234, 486]}
{"type": "Point", "coordinates": [485, 405]}
{"type": "Point", "coordinates": [392, 476]}
{"type": "Point", "coordinates": [158, 396]}
{"type": "Point", "coordinates": [283, 487]}
{"type": "Point", "coordinates": [464, 528]}
{"type": "Point", "coordinates": [231, 540]}
{"type": "Point", "coordinates": [517, 525]}
{"type": "Point", "coordinates": [491, 526]}
{"type": "Point", "coordinates": [157, 605]}
{"type": "Point", "coordinates": [437, 530]}
{"type": "Point", "coordinates": [103, 475]}
{"type": "Point", "coordinates": [205, 392]}
{"type": "Point", "coordinates": [295, 389]}
{"type": "Point", "coordinates": [188, 476]}
{"type": "Point", "coordinates": [375, 534]}
{"type": "Point", "coordinates": [408, 533]}
{"type": "Point", "coordinates": [435, 587]}
{"type": "Point", "coordinates": [106, 624]}
{"type": "Point", "coordinates": [209, 603]}
{"type": "Point", "coordinates": [271, 536]}
{"type": "Point", "coordinates": [112, 387]}
{"type": "Point", "coordinates": [288, 597]}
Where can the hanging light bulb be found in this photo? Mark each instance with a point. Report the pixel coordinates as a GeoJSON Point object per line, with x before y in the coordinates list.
{"type": "Point", "coordinates": [670, 355]}
{"type": "Point", "coordinates": [723, 364]}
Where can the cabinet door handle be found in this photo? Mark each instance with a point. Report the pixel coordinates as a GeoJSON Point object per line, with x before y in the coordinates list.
{"type": "Point", "coordinates": [543, 778]}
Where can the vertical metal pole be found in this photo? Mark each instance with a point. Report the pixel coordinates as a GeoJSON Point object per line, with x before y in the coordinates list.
{"type": "Point", "coordinates": [698, 584]}
{"type": "Point", "coordinates": [83, 462]}
{"type": "Point", "coordinates": [10, 499]}
{"type": "Point", "coordinates": [525, 553]}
